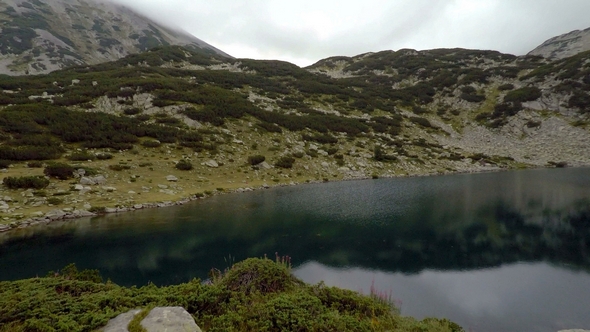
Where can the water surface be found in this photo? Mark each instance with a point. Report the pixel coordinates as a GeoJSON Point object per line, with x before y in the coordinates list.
{"type": "Point", "coordinates": [505, 251]}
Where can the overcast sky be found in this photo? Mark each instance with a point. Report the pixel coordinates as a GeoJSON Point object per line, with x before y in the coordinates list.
{"type": "Point", "coordinates": [305, 31]}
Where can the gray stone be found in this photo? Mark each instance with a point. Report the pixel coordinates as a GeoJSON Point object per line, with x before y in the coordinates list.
{"type": "Point", "coordinates": [86, 181]}
{"type": "Point", "coordinates": [82, 213]}
{"type": "Point", "coordinates": [100, 179]}
{"type": "Point", "coordinates": [169, 319]}
{"type": "Point", "coordinates": [120, 323]}
{"type": "Point", "coordinates": [162, 186]}
{"type": "Point", "coordinates": [55, 214]}
{"type": "Point", "coordinates": [264, 165]}
{"type": "Point", "coordinates": [82, 172]}
{"type": "Point", "coordinates": [211, 163]}
{"type": "Point", "coordinates": [171, 178]}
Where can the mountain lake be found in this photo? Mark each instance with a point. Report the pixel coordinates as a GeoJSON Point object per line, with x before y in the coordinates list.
{"type": "Point", "coordinates": [504, 251]}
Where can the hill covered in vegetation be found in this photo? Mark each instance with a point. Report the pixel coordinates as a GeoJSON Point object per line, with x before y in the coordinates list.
{"type": "Point", "coordinates": [172, 123]}
{"type": "Point", "coordinates": [40, 36]}
{"type": "Point", "coordinates": [253, 295]}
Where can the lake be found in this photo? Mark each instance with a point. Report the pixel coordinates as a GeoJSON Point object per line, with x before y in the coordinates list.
{"type": "Point", "coordinates": [506, 251]}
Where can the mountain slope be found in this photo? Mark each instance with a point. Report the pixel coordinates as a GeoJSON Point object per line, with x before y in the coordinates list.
{"type": "Point", "coordinates": [565, 45]}
{"type": "Point", "coordinates": [39, 36]}
{"type": "Point", "coordinates": [223, 124]}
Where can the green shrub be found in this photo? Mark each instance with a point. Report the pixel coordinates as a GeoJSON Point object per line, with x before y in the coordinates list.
{"type": "Point", "coordinates": [523, 95]}
{"type": "Point", "coordinates": [298, 154]}
{"type": "Point", "coordinates": [285, 162]}
{"type": "Point", "coordinates": [54, 201]}
{"type": "Point", "coordinates": [98, 209]}
{"type": "Point", "coordinates": [256, 159]}
{"type": "Point", "coordinates": [5, 163]}
{"type": "Point", "coordinates": [59, 170]}
{"type": "Point", "coordinates": [104, 156]}
{"type": "Point", "coordinates": [421, 121]}
{"type": "Point", "coordinates": [151, 144]}
{"type": "Point", "coordinates": [132, 111]}
{"type": "Point", "coordinates": [184, 165]}
{"type": "Point", "coordinates": [117, 167]}
{"type": "Point", "coordinates": [35, 164]}
{"type": "Point", "coordinates": [506, 87]}
{"type": "Point", "coordinates": [25, 182]}
{"type": "Point", "coordinates": [81, 156]}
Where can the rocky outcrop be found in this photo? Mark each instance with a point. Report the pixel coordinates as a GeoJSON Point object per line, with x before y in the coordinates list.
{"type": "Point", "coordinates": [564, 46]}
{"type": "Point", "coordinates": [169, 319]}
{"type": "Point", "coordinates": [47, 35]}
{"type": "Point", "coordinates": [120, 323]}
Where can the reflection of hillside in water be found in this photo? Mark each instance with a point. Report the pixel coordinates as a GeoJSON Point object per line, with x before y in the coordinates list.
{"type": "Point", "coordinates": [400, 225]}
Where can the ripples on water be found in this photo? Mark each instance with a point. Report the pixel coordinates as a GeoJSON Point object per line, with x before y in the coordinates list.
{"type": "Point", "coordinates": [495, 252]}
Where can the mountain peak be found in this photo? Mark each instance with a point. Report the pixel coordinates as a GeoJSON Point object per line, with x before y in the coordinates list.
{"type": "Point", "coordinates": [39, 36]}
{"type": "Point", "coordinates": [565, 45]}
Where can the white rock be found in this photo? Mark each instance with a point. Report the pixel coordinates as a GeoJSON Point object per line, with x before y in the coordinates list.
{"type": "Point", "coordinates": [264, 165]}
{"type": "Point", "coordinates": [211, 163]}
{"type": "Point", "coordinates": [171, 178]}
{"type": "Point", "coordinates": [169, 319]}
{"type": "Point", "coordinates": [87, 181]}
{"type": "Point", "coordinates": [78, 187]}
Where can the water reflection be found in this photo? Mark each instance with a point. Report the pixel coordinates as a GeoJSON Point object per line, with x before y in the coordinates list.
{"type": "Point", "coordinates": [520, 297]}
{"type": "Point", "coordinates": [463, 246]}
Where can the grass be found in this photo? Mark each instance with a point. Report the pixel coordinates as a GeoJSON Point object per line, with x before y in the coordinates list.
{"type": "Point", "coordinates": [258, 294]}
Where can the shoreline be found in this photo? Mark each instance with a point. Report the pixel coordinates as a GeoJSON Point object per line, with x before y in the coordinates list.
{"type": "Point", "coordinates": [69, 214]}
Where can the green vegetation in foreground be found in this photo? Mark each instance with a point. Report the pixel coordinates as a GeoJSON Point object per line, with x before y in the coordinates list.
{"type": "Point", "coordinates": [253, 295]}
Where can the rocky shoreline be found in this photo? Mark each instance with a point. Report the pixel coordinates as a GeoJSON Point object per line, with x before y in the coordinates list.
{"type": "Point", "coordinates": [71, 214]}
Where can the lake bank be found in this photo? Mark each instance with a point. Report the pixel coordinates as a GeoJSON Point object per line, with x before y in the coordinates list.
{"type": "Point", "coordinates": [71, 213]}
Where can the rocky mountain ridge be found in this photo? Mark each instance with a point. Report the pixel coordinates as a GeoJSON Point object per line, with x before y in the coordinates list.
{"type": "Point", "coordinates": [172, 123]}
{"type": "Point", "coordinates": [40, 36]}
{"type": "Point", "coordinates": [563, 46]}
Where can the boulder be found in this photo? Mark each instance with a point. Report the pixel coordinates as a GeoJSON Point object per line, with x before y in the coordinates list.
{"type": "Point", "coordinates": [86, 181]}
{"type": "Point", "coordinates": [171, 178]}
{"type": "Point", "coordinates": [120, 323]}
{"type": "Point", "coordinates": [100, 179]}
{"type": "Point", "coordinates": [264, 165]}
{"type": "Point", "coordinates": [169, 319]}
{"type": "Point", "coordinates": [55, 214]}
{"type": "Point", "coordinates": [82, 213]}
{"type": "Point", "coordinates": [211, 163]}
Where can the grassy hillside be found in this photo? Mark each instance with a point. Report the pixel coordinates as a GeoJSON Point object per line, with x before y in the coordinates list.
{"type": "Point", "coordinates": [253, 295]}
{"type": "Point", "coordinates": [217, 124]}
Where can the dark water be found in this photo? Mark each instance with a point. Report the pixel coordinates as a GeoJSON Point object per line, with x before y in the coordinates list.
{"type": "Point", "coordinates": [494, 252]}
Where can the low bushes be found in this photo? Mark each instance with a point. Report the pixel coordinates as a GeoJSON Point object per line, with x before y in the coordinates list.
{"type": "Point", "coordinates": [285, 162]}
{"type": "Point", "coordinates": [26, 182]}
{"type": "Point", "coordinates": [61, 171]}
{"type": "Point", "coordinates": [253, 295]}
{"type": "Point", "coordinates": [255, 160]}
{"type": "Point", "coordinates": [184, 165]}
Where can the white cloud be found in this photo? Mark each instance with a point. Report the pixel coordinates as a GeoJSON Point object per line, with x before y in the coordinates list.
{"type": "Point", "coordinates": [306, 31]}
